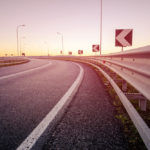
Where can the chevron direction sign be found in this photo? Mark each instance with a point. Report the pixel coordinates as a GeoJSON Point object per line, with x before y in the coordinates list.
{"type": "Point", "coordinates": [80, 51]}
{"type": "Point", "coordinates": [95, 48]}
{"type": "Point", "coordinates": [123, 37]}
{"type": "Point", "coordinates": [70, 53]}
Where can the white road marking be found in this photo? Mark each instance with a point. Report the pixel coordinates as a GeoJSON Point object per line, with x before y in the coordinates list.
{"type": "Point", "coordinates": [31, 140]}
{"type": "Point", "coordinates": [23, 72]}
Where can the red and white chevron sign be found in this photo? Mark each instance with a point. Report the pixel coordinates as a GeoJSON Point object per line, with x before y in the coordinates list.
{"type": "Point", "coordinates": [95, 48]}
{"type": "Point", "coordinates": [70, 53]}
{"type": "Point", "coordinates": [123, 37]}
{"type": "Point", "coordinates": [80, 51]}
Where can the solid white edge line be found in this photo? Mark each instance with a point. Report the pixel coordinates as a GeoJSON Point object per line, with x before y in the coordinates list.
{"type": "Point", "coordinates": [34, 136]}
{"type": "Point", "coordinates": [23, 72]}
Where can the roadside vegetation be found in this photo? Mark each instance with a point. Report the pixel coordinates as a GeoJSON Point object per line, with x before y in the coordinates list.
{"type": "Point", "coordinates": [131, 133]}
{"type": "Point", "coordinates": [10, 62]}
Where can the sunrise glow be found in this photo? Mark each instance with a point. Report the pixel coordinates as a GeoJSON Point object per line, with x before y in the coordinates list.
{"type": "Point", "coordinates": [77, 20]}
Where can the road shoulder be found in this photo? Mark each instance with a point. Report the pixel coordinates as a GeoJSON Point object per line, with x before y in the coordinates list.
{"type": "Point", "coordinates": [89, 122]}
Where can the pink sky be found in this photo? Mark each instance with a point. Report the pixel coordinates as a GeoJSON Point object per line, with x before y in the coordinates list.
{"type": "Point", "coordinates": [77, 20]}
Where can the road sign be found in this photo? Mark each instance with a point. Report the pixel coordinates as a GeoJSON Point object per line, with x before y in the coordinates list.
{"type": "Point", "coordinates": [123, 37]}
{"type": "Point", "coordinates": [70, 53]}
{"type": "Point", "coordinates": [23, 54]}
{"type": "Point", "coordinates": [80, 51]}
{"type": "Point", "coordinates": [95, 48]}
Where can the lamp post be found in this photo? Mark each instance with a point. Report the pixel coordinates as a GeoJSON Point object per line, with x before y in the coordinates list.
{"type": "Point", "coordinates": [21, 45]}
{"type": "Point", "coordinates": [101, 29]}
{"type": "Point", "coordinates": [17, 30]}
{"type": "Point", "coordinates": [61, 40]}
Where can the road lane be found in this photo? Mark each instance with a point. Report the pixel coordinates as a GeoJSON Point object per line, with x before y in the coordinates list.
{"type": "Point", "coordinates": [34, 63]}
{"type": "Point", "coordinates": [23, 72]}
{"type": "Point", "coordinates": [39, 135]}
{"type": "Point", "coordinates": [25, 100]}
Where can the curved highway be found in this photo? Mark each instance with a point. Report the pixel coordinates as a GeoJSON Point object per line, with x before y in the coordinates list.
{"type": "Point", "coordinates": [28, 94]}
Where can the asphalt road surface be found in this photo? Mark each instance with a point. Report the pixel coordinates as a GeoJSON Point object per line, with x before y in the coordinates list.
{"type": "Point", "coordinates": [28, 92]}
{"type": "Point", "coordinates": [26, 98]}
{"type": "Point", "coordinates": [89, 122]}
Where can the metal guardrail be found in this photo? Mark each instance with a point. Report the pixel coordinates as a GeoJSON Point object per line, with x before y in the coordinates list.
{"type": "Point", "coordinates": [134, 67]}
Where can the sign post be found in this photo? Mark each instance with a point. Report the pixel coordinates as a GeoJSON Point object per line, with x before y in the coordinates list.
{"type": "Point", "coordinates": [100, 49]}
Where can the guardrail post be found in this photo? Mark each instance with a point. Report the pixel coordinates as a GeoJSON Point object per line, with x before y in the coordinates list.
{"type": "Point", "coordinates": [142, 104]}
{"type": "Point", "coordinates": [141, 99]}
{"type": "Point", "coordinates": [124, 86]}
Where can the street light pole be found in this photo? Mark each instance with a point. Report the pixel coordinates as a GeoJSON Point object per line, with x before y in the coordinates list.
{"type": "Point", "coordinates": [101, 29]}
{"type": "Point", "coordinates": [62, 41]}
{"type": "Point", "coordinates": [17, 30]}
{"type": "Point", "coordinates": [21, 44]}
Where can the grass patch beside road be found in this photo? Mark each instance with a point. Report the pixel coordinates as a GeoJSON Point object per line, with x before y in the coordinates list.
{"type": "Point", "coordinates": [131, 133]}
